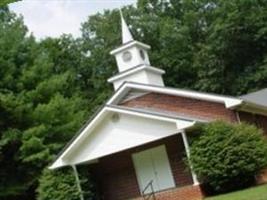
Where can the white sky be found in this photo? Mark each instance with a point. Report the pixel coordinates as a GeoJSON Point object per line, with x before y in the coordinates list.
{"type": "Point", "coordinates": [55, 17]}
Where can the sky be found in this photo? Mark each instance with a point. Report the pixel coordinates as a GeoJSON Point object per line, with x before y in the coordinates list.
{"type": "Point", "coordinates": [55, 17]}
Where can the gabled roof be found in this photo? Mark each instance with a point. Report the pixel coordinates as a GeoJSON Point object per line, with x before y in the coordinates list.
{"type": "Point", "coordinates": [111, 107]}
{"type": "Point", "coordinates": [101, 143]}
{"type": "Point", "coordinates": [127, 86]}
{"type": "Point", "coordinates": [258, 97]}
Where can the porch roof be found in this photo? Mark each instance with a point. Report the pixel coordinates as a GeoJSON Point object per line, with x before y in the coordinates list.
{"type": "Point", "coordinates": [115, 129]}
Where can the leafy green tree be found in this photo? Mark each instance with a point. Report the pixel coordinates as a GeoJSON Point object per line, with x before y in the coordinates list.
{"type": "Point", "coordinates": [204, 45]}
{"type": "Point", "coordinates": [5, 2]}
{"type": "Point", "coordinates": [41, 107]}
{"type": "Point", "coordinates": [233, 50]}
{"type": "Point", "coordinates": [226, 156]}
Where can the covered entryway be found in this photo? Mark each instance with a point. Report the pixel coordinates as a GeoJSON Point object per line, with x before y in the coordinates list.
{"type": "Point", "coordinates": [118, 178]}
{"type": "Point", "coordinates": [128, 148]}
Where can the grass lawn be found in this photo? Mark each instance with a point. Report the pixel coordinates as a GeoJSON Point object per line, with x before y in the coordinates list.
{"type": "Point", "coordinates": [255, 193]}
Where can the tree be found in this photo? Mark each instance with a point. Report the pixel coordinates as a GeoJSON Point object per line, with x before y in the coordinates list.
{"type": "Point", "coordinates": [5, 2]}
{"type": "Point", "coordinates": [204, 45]}
{"type": "Point", "coordinates": [41, 107]}
{"type": "Point", "coordinates": [226, 156]}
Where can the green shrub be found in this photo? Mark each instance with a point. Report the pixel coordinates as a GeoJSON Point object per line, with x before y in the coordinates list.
{"type": "Point", "coordinates": [227, 157]}
{"type": "Point", "coordinates": [61, 185]}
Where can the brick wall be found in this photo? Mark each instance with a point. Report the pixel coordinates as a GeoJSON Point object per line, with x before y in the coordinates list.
{"type": "Point", "coordinates": [261, 122]}
{"type": "Point", "coordinates": [184, 106]}
{"type": "Point", "coordinates": [258, 120]}
{"type": "Point", "coordinates": [182, 193]}
{"type": "Point", "coordinates": [116, 174]}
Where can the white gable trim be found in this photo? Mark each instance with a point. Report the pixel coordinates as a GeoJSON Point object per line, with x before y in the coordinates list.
{"type": "Point", "coordinates": [228, 101]}
{"type": "Point", "coordinates": [61, 160]}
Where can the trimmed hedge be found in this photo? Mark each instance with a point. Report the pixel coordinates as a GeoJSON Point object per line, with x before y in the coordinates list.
{"type": "Point", "coordinates": [227, 156]}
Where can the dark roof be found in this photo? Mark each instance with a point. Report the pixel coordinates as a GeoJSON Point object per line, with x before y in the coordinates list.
{"type": "Point", "coordinates": [258, 97]}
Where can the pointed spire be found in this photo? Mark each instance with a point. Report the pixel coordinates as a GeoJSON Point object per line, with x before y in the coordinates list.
{"type": "Point", "coordinates": [126, 34]}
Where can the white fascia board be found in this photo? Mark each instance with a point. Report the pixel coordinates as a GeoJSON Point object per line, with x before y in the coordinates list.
{"type": "Point", "coordinates": [126, 46]}
{"type": "Point", "coordinates": [130, 72]}
{"type": "Point", "coordinates": [230, 102]}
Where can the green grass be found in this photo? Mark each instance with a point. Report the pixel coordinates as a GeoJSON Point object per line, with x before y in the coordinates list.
{"type": "Point", "coordinates": [255, 193]}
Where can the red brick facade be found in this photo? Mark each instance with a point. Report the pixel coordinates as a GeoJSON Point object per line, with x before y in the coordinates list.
{"type": "Point", "coordinates": [184, 106]}
{"type": "Point", "coordinates": [116, 174]}
{"type": "Point", "coordinates": [261, 122]}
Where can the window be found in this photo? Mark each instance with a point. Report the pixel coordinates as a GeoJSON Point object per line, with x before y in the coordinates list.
{"type": "Point", "coordinates": [153, 164]}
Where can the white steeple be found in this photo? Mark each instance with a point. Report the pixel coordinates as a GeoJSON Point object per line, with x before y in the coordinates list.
{"type": "Point", "coordinates": [133, 61]}
{"type": "Point", "coordinates": [126, 34]}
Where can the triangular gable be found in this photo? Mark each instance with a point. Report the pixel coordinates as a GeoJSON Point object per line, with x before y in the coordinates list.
{"type": "Point", "coordinates": [115, 129]}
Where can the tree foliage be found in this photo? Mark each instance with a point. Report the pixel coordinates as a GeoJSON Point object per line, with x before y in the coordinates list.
{"type": "Point", "coordinates": [6, 2]}
{"type": "Point", "coordinates": [59, 185]}
{"type": "Point", "coordinates": [204, 45]}
{"type": "Point", "coordinates": [40, 106]}
{"type": "Point", "coordinates": [227, 157]}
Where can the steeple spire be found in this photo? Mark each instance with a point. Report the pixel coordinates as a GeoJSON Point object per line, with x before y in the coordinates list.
{"type": "Point", "coordinates": [133, 61]}
{"type": "Point", "coordinates": [126, 34]}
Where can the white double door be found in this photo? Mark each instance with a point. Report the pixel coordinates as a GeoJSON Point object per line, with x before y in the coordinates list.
{"type": "Point", "coordinates": [153, 165]}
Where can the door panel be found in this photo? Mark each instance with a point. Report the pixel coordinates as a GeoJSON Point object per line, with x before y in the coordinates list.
{"type": "Point", "coordinates": [153, 164]}
{"type": "Point", "coordinates": [162, 168]}
{"type": "Point", "coordinates": [144, 169]}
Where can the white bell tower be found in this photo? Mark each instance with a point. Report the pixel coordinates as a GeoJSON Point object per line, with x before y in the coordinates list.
{"type": "Point", "coordinates": [133, 62]}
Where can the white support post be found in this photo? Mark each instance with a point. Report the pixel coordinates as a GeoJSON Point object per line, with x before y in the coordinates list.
{"type": "Point", "coordinates": [237, 117]}
{"type": "Point", "coordinates": [78, 181]}
{"type": "Point", "coordinates": [187, 150]}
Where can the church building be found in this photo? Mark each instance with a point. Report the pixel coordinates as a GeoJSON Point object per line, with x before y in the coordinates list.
{"type": "Point", "coordinates": [136, 143]}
